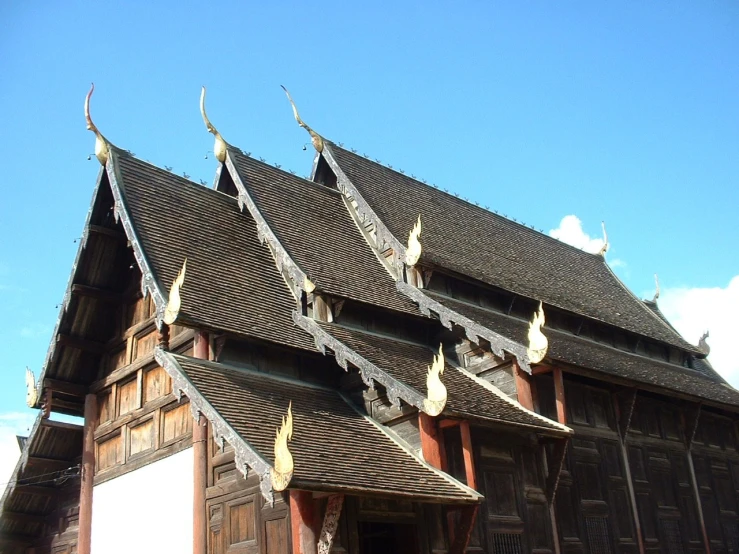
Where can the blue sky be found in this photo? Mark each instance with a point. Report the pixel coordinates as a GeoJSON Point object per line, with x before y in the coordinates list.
{"type": "Point", "coordinates": [625, 112]}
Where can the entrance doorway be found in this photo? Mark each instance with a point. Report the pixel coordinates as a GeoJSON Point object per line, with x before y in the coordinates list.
{"type": "Point", "coordinates": [387, 538]}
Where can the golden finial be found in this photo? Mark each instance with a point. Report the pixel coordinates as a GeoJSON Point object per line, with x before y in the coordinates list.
{"type": "Point", "coordinates": [315, 138]}
{"type": "Point", "coordinates": [308, 285]}
{"type": "Point", "coordinates": [606, 245]}
{"type": "Point", "coordinates": [31, 389]}
{"type": "Point", "coordinates": [436, 393]}
{"type": "Point", "coordinates": [538, 343]}
{"type": "Point", "coordinates": [656, 288]}
{"type": "Point", "coordinates": [284, 465]}
{"type": "Point", "coordinates": [102, 150]}
{"type": "Point", "coordinates": [219, 148]}
{"type": "Point", "coordinates": [175, 301]}
{"type": "Point", "coordinates": [413, 251]}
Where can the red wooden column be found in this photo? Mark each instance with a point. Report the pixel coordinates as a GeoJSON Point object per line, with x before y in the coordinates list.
{"type": "Point", "coordinates": [430, 439]}
{"type": "Point", "coordinates": [303, 522]}
{"type": "Point", "coordinates": [559, 393]}
{"type": "Point", "coordinates": [201, 349]}
{"type": "Point", "coordinates": [469, 513]}
{"type": "Point", "coordinates": [523, 387]}
{"type": "Point", "coordinates": [84, 537]}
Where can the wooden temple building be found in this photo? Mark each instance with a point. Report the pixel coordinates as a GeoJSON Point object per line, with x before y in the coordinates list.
{"type": "Point", "coordinates": [358, 363]}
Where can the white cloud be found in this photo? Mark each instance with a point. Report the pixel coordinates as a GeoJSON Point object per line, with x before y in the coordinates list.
{"type": "Point", "coordinates": [695, 310]}
{"type": "Point", "coordinates": [570, 231]}
{"type": "Point", "coordinates": [12, 424]}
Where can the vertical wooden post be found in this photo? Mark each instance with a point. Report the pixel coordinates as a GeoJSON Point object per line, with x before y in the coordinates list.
{"type": "Point", "coordinates": [691, 427]}
{"type": "Point", "coordinates": [430, 439]}
{"type": "Point", "coordinates": [200, 463]}
{"type": "Point", "coordinates": [469, 460]}
{"type": "Point", "coordinates": [302, 522]}
{"type": "Point", "coordinates": [84, 538]}
{"type": "Point", "coordinates": [461, 537]}
{"type": "Point", "coordinates": [523, 387]}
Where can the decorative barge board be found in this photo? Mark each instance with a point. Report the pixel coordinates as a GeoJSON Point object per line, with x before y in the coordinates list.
{"type": "Point", "coordinates": [40, 504]}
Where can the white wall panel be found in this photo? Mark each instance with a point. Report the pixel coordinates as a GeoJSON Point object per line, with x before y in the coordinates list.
{"type": "Point", "coordinates": [147, 511]}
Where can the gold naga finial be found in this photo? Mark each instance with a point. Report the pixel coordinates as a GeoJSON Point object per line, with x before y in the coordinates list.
{"type": "Point", "coordinates": [606, 245]}
{"type": "Point", "coordinates": [538, 342]}
{"type": "Point", "coordinates": [315, 138]}
{"type": "Point", "coordinates": [282, 472]}
{"type": "Point", "coordinates": [219, 148]}
{"type": "Point", "coordinates": [31, 389]}
{"type": "Point", "coordinates": [656, 288]}
{"type": "Point", "coordinates": [413, 251]}
{"type": "Point", "coordinates": [308, 285]}
{"type": "Point", "coordinates": [102, 150]}
{"type": "Point", "coordinates": [436, 393]}
{"type": "Point", "coordinates": [175, 300]}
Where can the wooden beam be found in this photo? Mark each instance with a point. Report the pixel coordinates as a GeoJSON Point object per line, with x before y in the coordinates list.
{"type": "Point", "coordinates": [430, 439]}
{"type": "Point", "coordinates": [330, 523]}
{"type": "Point", "coordinates": [541, 369]}
{"type": "Point", "coordinates": [108, 232]}
{"type": "Point", "coordinates": [50, 464]}
{"type": "Point", "coordinates": [66, 406]}
{"type": "Point", "coordinates": [559, 395]}
{"type": "Point", "coordinates": [96, 293]}
{"type": "Point", "coordinates": [555, 463]}
{"type": "Point", "coordinates": [447, 423]}
{"type": "Point", "coordinates": [523, 387]}
{"type": "Point", "coordinates": [66, 387]}
{"type": "Point", "coordinates": [624, 412]}
{"type": "Point", "coordinates": [80, 343]}
{"type": "Point", "coordinates": [25, 518]}
{"type": "Point", "coordinates": [201, 350]}
{"type": "Point", "coordinates": [468, 514]}
{"type": "Point", "coordinates": [36, 490]}
{"type": "Point", "coordinates": [88, 474]}
{"type": "Point", "coordinates": [302, 522]}
{"type": "Point", "coordinates": [690, 424]}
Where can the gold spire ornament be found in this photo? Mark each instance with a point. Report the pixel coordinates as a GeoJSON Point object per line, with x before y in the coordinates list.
{"type": "Point", "coordinates": [606, 245]}
{"type": "Point", "coordinates": [308, 285]}
{"type": "Point", "coordinates": [282, 472]}
{"type": "Point", "coordinates": [315, 138]}
{"type": "Point", "coordinates": [31, 389]}
{"type": "Point", "coordinates": [538, 343]}
{"type": "Point", "coordinates": [175, 300]}
{"type": "Point", "coordinates": [436, 393]}
{"type": "Point", "coordinates": [413, 251]}
{"type": "Point", "coordinates": [102, 150]}
{"type": "Point", "coordinates": [219, 148]}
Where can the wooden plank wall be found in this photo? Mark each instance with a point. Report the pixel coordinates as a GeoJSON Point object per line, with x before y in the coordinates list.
{"type": "Point", "coordinates": [139, 418]}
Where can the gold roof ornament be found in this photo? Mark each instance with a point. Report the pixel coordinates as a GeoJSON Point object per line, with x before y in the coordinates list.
{"type": "Point", "coordinates": [606, 244]}
{"type": "Point", "coordinates": [436, 394]}
{"type": "Point", "coordinates": [308, 285]}
{"type": "Point", "coordinates": [175, 300]}
{"type": "Point", "coordinates": [282, 472]}
{"type": "Point", "coordinates": [413, 251]}
{"type": "Point", "coordinates": [31, 389]}
{"type": "Point", "coordinates": [538, 342]}
{"type": "Point", "coordinates": [102, 150]}
{"type": "Point", "coordinates": [656, 288]}
{"type": "Point", "coordinates": [315, 138]}
{"type": "Point", "coordinates": [220, 146]}
{"type": "Point", "coordinates": [703, 345]}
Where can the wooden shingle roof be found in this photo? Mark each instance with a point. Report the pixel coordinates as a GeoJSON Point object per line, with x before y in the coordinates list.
{"type": "Point", "coordinates": [334, 447]}
{"type": "Point", "coordinates": [475, 242]}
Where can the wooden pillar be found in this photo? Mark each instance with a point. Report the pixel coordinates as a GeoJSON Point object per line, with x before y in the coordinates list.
{"type": "Point", "coordinates": [691, 426]}
{"type": "Point", "coordinates": [84, 538]}
{"type": "Point", "coordinates": [302, 522]}
{"type": "Point", "coordinates": [461, 537]}
{"type": "Point", "coordinates": [201, 350]}
{"type": "Point", "coordinates": [523, 387]}
{"type": "Point", "coordinates": [467, 454]}
{"type": "Point", "coordinates": [430, 439]}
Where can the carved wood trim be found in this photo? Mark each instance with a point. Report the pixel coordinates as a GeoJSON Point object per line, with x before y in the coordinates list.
{"type": "Point", "coordinates": [330, 523]}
